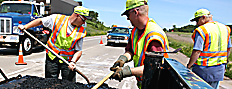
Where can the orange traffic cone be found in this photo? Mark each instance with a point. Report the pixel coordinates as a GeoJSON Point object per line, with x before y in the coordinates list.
{"type": "Point", "coordinates": [20, 57]}
{"type": "Point", "coordinates": [101, 42]}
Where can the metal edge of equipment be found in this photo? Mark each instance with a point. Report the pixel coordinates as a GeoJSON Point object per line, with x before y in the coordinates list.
{"type": "Point", "coordinates": [57, 55]}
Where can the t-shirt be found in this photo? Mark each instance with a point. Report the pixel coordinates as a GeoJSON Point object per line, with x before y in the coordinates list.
{"type": "Point", "coordinates": [49, 22]}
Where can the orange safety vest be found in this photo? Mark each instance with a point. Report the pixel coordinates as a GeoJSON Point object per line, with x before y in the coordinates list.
{"type": "Point", "coordinates": [62, 44]}
{"type": "Point", "coordinates": [216, 37]}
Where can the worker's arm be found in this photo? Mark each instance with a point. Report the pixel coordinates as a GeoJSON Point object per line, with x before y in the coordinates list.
{"type": "Point", "coordinates": [75, 58]}
{"type": "Point", "coordinates": [193, 58]}
{"type": "Point", "coordinates": [137, 71]}
{"type": "Point", "coordinates": [128, 54]}
{"type": "Point", "coordinates": [33, 23]}
{"type": "Point", "coordinates": [228, 54]}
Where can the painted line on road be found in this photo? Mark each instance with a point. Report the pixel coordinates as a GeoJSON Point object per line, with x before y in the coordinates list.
{"type": "Point", "coordinates": [18, 71]}
{"type": "Point", "coordinates": [94, 37]}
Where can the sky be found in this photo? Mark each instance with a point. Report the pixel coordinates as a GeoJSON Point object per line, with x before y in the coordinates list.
{"type": "Point", "coordinates": [166, 13]}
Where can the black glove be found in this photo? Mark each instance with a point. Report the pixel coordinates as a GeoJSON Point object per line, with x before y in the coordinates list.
{"type": "Point", "coordinates": [120, 62]}
{"type": "Point", "coordinates": [121, 72]}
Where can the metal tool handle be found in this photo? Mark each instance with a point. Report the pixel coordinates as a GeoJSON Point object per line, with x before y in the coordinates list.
{"type": "Point", "coordinates": [56, 54]}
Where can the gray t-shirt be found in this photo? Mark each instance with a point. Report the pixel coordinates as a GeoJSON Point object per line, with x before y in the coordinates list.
{"type": "Point", "coordinates": [49, 22]}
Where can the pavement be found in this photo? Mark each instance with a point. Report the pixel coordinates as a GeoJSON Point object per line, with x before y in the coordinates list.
{"type": "Point", "coordinates": [225, 84]}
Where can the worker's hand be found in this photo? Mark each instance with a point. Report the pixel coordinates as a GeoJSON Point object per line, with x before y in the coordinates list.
{"type": "Point", "coordinates": [120, 62]}
{"type": "Point", "coordinates": [189, 66]}
{"type": "Point", "coordinates": [72, 66]}
{"type": "Point", "coordinates": [21, 27]}
{"type": "Point", "coordinates": [121, 72]}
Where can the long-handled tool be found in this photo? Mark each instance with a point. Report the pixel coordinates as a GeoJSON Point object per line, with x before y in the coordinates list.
{"type": "Point", "coordinates": [103, 80]}
{"type": "Point", "coordinates": [57, 55]}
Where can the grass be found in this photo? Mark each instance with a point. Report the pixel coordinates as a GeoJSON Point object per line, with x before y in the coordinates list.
{"type": "Point", "coordinates": [187, 50]}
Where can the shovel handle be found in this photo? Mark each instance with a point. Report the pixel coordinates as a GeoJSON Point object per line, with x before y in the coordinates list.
{"type": "Point", "coordinates": [103, 80]}
{"type": "Point", "coordinates": [82, 75]}
{"type": "Point", "coordinates": [24, 30]}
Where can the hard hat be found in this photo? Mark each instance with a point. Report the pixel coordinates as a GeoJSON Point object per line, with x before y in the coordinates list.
{"type": "Point", "coordinates": [130, 4]}
{"type": "Point", "coordinates": [82, 11]}
{"type": "Point", "coordinates": [199, 13]}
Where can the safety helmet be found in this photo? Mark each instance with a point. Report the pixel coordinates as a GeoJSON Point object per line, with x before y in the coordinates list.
{"type": "Point", "coordinates": [199, 13]}
{"type": "Point", "coordinates": [130, 4]}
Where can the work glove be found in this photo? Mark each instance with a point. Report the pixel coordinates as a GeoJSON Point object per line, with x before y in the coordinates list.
{"type": "Point", "coordinates": [121, 72]}
{"type": "Point", "coordinates": [120, 62]}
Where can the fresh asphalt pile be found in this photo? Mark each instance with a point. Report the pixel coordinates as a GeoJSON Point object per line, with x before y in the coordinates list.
{"type": "Point", "coordinates": [34, 82]}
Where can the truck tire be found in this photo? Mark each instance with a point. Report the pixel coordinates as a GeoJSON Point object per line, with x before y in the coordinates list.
{"type": "Point", "coordinates": [27, 45]}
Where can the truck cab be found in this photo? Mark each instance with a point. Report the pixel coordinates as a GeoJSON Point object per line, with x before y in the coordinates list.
{"type": "Point", "coordinates": [118, 35]}
{"type": "Point", "coordinates": [14, 13]}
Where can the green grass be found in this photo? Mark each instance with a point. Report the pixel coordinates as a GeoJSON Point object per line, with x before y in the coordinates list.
{"type": "Point", "coordinates": [187, 50]}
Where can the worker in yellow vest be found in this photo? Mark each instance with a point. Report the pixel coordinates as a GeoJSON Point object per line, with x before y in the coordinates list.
{"type": "Point", "coordinates": [66, 40]}
{"type": "Point", "coordinates": [146, 36]}
{"type": "Point", "coordinates": [211, 48]}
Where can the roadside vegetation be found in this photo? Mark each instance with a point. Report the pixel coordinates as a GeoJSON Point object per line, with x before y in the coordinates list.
{"type": "Point", "coordinates": [94, 26]}
{"type": "Point", "coordinates": [187, 50]}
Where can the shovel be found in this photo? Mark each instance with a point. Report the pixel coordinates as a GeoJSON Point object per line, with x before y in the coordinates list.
{"type": "Point", "coordinates": [103, 80]}
{"type": "Point", "coordinates": [57, 55]}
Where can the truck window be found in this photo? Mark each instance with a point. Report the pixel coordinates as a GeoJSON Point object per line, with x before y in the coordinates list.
{"type": "Point", "coordinates": [35, 12]}
{"type": "Point", "coordinates": [120, 30]}
{"type": "Point", "coordinates": [16, 7]}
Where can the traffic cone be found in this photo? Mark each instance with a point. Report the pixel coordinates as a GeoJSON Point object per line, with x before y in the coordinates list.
{"type": "Point", "coordinates": [20, 57]}
{"type": "Point", "coordinates": [101, 42]}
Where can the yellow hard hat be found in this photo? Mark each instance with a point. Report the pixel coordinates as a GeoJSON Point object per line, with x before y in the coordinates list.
{"type": "Point", "coordinates": [82, 11]}
{"type": "Point", "coordinates": [130, 4]}
{"type": "Point", "coordinates": [199, 13]}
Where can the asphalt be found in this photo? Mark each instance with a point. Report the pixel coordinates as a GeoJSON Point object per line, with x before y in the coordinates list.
{"type": "Point", "coordinates": [225, 84]}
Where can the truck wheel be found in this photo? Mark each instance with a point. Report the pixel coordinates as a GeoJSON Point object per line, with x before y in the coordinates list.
{"type": "Point", "coordinates": [27, 45]}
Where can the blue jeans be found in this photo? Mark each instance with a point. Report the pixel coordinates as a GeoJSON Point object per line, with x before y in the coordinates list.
{"type": "Point", "coordinates": [214, 84]}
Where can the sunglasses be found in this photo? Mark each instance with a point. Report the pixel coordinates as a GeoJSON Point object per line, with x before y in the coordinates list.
{"type": "Point", "coordinates": [128, 14]}
{"type": "Point", "coordinates": [82, 18]}
{"type": "Point", "coordinates": [198, 18]}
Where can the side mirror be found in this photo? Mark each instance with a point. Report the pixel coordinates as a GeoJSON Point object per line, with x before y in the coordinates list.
{"type": "Point", "coordinates": [108, 31]}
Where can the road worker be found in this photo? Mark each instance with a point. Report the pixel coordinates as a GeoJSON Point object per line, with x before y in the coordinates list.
{"type": "Point", "coordinates": [66, 40]}
{"type": "Point", "coordinates": [211, 48]}
{"type": "Point", "coordinates": [146, 36]}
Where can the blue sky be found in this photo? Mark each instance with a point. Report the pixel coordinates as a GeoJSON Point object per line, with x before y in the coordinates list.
{"type": "Point", "coordinates": [165, 12]}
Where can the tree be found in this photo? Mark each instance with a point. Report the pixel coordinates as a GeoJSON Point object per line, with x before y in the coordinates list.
{"type": "Point", "coordinates": [165, 29]}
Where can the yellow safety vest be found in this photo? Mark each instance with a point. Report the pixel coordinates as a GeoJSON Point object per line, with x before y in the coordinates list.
{"type": "Point", "coordinates": [59, 42]}
{"type": "Point", "coordinates": [216, 37]}
{"type": "Point", "coordinates": [139, 45]}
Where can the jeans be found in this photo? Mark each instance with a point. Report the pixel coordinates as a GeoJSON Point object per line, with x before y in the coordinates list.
{"type": "Point", "coordinates": [214, 84]}
{"type": "Point", "coordinates": [53, 68]}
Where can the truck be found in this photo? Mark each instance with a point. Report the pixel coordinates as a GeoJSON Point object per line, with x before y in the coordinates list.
{"type": "Point", "coordinates": [14, 13]}
{"type": "Point", "coordinates": [118, 35]}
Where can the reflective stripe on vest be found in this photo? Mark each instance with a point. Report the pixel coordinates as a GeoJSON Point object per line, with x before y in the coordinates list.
{"type": "Point", "coordinates": [139, 45]}
{"type": "Point", "coordinates": [216, 37]}
{"type": "Point", "coordinates": [59, 42]}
